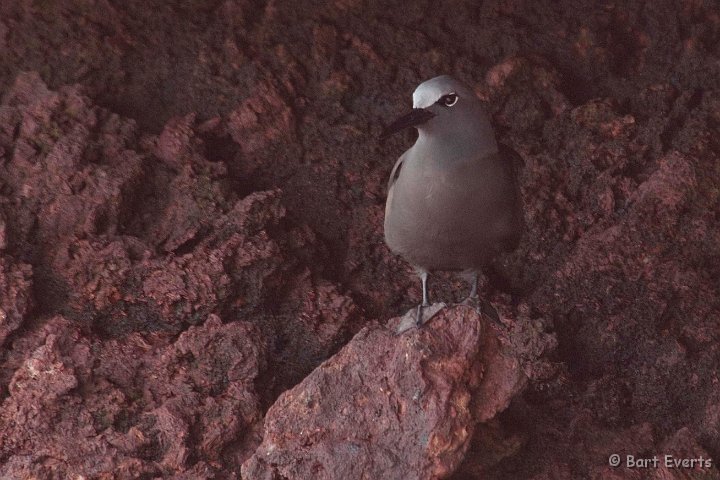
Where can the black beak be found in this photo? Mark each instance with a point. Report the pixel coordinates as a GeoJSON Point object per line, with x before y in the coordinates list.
{"type": "Point", "coordinates": [417, 116]}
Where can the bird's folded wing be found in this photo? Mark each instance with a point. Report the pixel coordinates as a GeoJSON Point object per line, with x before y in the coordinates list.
{"type": "Point", "coordinates": [395, 171]}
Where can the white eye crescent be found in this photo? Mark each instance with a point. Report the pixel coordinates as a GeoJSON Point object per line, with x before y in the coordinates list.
{"type": "Point", "coordinates": [448, 100]}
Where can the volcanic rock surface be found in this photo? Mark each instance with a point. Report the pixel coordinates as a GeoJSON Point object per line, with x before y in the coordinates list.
{"type": "Point", "coordinates": [193, 280]}
{"type": "Point", "coordinates": [392, 405]}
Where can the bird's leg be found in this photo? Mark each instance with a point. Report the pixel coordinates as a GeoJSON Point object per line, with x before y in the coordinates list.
{"type": "Point", "coordinates": [473, 286]}
{"type": "Point", "coordinates": [417, 317]}
{"type": "Point", "coordinates": [473, 299]}
{"type": "Point", "coordinates": [423, 278]}
{"type": "Point", "coordinates": [472, 278]}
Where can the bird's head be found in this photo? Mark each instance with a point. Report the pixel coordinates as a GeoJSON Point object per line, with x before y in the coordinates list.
{"type": "Point", "coordinates": [442, 104]}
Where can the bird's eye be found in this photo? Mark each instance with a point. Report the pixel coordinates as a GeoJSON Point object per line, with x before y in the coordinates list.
{"type": "Point", "coordinates": [448, 100]}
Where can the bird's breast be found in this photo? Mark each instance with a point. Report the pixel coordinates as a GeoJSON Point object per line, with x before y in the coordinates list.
{"type": "Point", "coordinates": [441, 216]}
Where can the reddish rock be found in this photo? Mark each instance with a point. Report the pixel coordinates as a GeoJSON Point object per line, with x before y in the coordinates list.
{"type": "Point", "coordinates": [177, 249]}
{"type": "Point", "coordinates": [209, 401]}
{"type": "Point", "coordinates": [99, 269]}
{"type": "Point", "coordinates": [177, 143]}
{"type": "Point", "coordinates": [233, 261]}
{"type": "Point", "coordinates": [263, 119]}
{"type": "Point", "coordinates": [15, 295]}
{"type": "Point", "coordinates": [252, 186]}
{"type": "Point", "coordinates": [48, 409]}
{"type": "Point", "coordinates": [64, 184]}
{"type": "Point", "coordinates": [3, 232]}
{"type": "Point", "coordinates": [682, 457]}
{"type": "Point", "coordinates": [141, 408]}
{"type": "Point", "coordinates": [389, 405]}
{"type": "Point", "coordinates": [128, 396]}
{"type": "Point", "coordinates": [190, 196]}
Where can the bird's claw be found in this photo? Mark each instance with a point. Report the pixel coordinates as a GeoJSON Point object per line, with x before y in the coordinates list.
{"type": "Point", "coordinates": [419, 316]}
{"type": "Point", "coordinates": [483, 307]}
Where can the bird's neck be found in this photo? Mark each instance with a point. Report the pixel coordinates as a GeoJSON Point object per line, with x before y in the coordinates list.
{"type": "Point", "coordinates": [469, 135]}
{"type": "Point", "coordinates": [458, 144]}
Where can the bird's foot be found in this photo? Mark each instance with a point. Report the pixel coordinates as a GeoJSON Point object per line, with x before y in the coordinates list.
{"type": "Point", "coordinates": [483, 307]}
{"type": "Point", "coordinates": [419, 316]}
{"type": "Point", "coordinates": [471, 301]}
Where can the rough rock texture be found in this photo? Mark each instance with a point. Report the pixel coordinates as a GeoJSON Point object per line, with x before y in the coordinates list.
{"type": "Point", "coordinates": [149, 298]}
{"type": "Point", "coordinates": [71, 411]}
{"type": "Point", "coordinates": [391, 406]}
{"type": "Point", "coordinates": [191, 204]}
{"type": "Point", "coordinates": [15, 295]}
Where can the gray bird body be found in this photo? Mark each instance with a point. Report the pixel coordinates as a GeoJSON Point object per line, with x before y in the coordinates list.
{"type": "Point", "coordinates": [453, 199]}
{"type": "Point", "coordinates": [452, 217]}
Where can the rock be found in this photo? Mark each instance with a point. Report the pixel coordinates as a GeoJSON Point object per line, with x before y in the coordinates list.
{"type": "Point", "coordinates": [15, 295]}
{"type": "Point", "coordinates": [262, 119]}
{"type": "Point", "coordinates": [684, 458]}
{"type": "Point", "coordinates": [65, 184]}
{"type": "Point", "coordinates": [167, 167]}
{"type": "Point", "coordinates": [389, 405]}
{"type": "Point", "coordinates": [142, 409]}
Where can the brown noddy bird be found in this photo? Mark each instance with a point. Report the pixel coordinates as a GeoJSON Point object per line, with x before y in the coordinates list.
{"type": "Point", "coordinates": [453, 200]}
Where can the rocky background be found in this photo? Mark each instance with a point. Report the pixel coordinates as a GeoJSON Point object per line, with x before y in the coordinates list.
{"type": "Point", "coordinates": [193, 281]}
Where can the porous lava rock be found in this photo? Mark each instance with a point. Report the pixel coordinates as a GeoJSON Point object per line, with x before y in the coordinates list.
{"type": "Point", "coordinates": [392, 405]}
